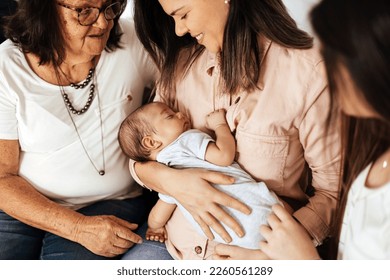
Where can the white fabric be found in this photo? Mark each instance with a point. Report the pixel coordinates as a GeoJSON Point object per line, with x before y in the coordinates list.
{"type": "Point", "coordinates": [365, 230]}
{"type": "Point", "coordinates": [52, 157]}
{"type": "Point", "coordinates": [189, 151]}
{"type": "Point", "coordinates": [300, 12]}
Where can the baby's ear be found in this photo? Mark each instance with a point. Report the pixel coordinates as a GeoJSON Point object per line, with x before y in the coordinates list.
{"type": "Point", "coordinates": [150, 143]}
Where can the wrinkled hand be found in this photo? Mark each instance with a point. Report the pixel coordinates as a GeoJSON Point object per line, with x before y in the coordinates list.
{"type": "Point", "coordinates": [157, 234]}
{"type": "Point", "coordinates": [106, 236]}
{"type": "Point", "coordinates": [285, 238]}
{"type": "Point", "coordinates": [230, 252]}
{"type": "Point", "coordinates": [216, 119]}
{"type": "Point", "coordinates": [191, 187]}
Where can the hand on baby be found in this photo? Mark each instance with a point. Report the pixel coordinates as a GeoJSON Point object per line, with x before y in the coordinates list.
{"type": "Point", "coordinates": [216, 119]}
{"type": "Point", "coordinates": [156, 234]}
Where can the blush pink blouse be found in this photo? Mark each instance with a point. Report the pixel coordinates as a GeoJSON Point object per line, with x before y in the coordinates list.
{"type": "Point", "coordinates": [280, 132]}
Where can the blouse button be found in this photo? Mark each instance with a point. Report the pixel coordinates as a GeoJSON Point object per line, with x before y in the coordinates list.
{"type": "Point", "coordinates": [198, 250]}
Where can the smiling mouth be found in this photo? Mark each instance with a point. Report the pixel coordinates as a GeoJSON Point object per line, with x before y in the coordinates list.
{"type": "Point", "coordinates": [97, 35]}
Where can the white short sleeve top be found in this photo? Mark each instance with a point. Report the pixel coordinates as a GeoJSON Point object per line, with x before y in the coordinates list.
{"type": "Point", "coordinates": [52, 157]}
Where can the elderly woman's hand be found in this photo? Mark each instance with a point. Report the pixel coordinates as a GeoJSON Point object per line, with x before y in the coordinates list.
{"type": "Point", "coordinates": [106, 236]}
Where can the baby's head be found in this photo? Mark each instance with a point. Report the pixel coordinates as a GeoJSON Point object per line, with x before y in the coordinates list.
{"type": "Point", "coordinates": [149, 129]}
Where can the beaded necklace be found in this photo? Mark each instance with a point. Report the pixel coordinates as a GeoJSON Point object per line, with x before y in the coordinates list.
{"type": "Point", "coordinates": [71, 110]}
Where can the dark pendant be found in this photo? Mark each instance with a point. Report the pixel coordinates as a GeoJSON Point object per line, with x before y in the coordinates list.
{"type": "Point", "coordinates": [101, 172]}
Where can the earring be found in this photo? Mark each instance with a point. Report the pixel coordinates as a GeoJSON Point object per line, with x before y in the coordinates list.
{"type": "Point", "coordinates": [227, 1]}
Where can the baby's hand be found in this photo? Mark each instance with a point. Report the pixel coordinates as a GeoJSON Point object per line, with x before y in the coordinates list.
{"type": "Point", "coordinates": [216, 119]}
{"type": "Point", "coordinates": [157, 234]}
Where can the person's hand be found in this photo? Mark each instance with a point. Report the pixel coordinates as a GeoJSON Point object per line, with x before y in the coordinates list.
{"type": "Point", "coordinates": [191, 187]}
{"type": "Point", "coordinates": [216, 119]}
{"type": "Point", "coordinates": [156, 234]}
{"type": "Point", "coordinates": [231, 252]}
{"type": "Point", "coordinates": [285, 238]}
{"type": "Point", "coordinates": [106, 236]}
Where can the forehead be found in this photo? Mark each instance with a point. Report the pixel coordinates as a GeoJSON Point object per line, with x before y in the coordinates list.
{"type": "Point", "coordinates": [156, 108]}
{"type": "Point", "coordinates": [171, 6]}
{"type": "Point", "coordinates": [85, 2]}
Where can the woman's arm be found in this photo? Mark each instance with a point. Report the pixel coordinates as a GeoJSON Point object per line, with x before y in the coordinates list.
{"type": "Point", "coordinates": [322, 152]}
{"type": "Point", "coordinates": [191, 187]}
{"type": "Point", "coordinates": [103, 235]}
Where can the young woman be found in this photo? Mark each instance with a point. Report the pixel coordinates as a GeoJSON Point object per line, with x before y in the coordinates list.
{"type": "Point", "coordinates": [249, 58]}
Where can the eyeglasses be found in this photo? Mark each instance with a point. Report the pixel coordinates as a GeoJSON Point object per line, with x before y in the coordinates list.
{"type": "Point", "coordinates": [89, 15]}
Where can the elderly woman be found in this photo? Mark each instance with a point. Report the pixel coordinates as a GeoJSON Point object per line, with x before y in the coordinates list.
{"type": "Point", "coordinates": [69, 74]}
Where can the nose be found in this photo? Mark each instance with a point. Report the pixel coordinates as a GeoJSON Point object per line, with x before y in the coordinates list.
{"type": "Point", "coordinates": [180, 28]}
{"type": "Point", "coordinates": [101, 22]}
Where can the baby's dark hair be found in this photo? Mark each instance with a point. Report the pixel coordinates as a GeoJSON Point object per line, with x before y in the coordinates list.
{"type": "Point", "coordinates": [131, 132]}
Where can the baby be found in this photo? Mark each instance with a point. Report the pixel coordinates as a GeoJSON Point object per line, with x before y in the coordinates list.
{"type": "Point", "coordinates": [156, 132]}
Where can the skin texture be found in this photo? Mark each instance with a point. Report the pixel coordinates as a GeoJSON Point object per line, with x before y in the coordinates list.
{"type": "Point", "coordinates": [87, 41]}
{"type": "Point", "coordinates": [84, 44]}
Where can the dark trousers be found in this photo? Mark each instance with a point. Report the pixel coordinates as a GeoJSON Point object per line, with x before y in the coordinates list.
{"type": "Point", "coordinates": [23, 242]}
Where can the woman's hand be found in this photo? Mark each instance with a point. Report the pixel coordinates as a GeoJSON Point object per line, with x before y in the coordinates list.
{"type": "Point", "coordinates": [106, 236]}
{"type": "Point", "coordinates": [230, 252]}
{"type": "Point", "coordinates": [191, 187]}
{"type": "Point", "coordinates": [285, 238]}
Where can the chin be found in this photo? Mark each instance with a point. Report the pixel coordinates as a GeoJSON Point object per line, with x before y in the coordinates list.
{"type": "Point", "coordinates": [96, 47]}
{"type": "Point", "coordinates": [95, 51]}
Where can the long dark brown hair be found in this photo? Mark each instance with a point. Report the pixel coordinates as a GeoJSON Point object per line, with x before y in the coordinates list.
{"type": "Point", "coordinates": [356, 34]}
{"type": "Point", "coordinates": [35, 27]}
{"type": "Point", "coordinates": [241, 52]}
